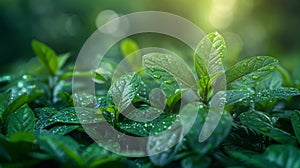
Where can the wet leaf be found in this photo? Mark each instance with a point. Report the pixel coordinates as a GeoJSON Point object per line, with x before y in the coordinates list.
{"type": "Point", "coordinates": [123, 90]}
{"type": "Point", "coordinates": [250, 71]}
{"type": "Point", "coordinates": [295, 119]}
{"type": "Point", "coordinates": [173, 65]}
{"type": "Point", "coordinates": [262, 123]}
{"type": "Point", "coordinates": [266, 95]}
{"type": "Point", "coordinates": [22, 120]}
{"type": "Point", "coordinates": [209, 55]}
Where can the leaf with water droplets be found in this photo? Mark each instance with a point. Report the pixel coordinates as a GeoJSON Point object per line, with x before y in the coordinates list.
{"type": "Point", "coordinates": [172, 65]}
{"type": "Point", "coordinates": [209, 55]}
{"type": "Point", "coordinates": [272, 81]}
{"type": "Point", "coordinates": [295, 119]}
{"type": "Point", "coordinates": [266, 95]}
{"type": "Point", "coordinates": [165, 80]}
{"type": "Point", "coordinates": [123, 91]}
{"type": "Point", "coordinates": [165, 157]}
{"type": "Point", "coordinates": [62, 129]}
{"type": "Point", "coordinates": [22, 120]}
{"type": "Point", "coordinates": [215, 139]}
{"type": "Point", "coordinates": [262, 123]}
{"type": "Point", "coordinates": [12, 103]}
{"type": "Point", "coordinates": [250, 71]}
{"type": "Point", "coordinates": [74, 115]}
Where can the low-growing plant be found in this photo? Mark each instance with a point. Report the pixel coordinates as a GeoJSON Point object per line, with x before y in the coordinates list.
{"type": "Point", "coordinates": [259, 125]}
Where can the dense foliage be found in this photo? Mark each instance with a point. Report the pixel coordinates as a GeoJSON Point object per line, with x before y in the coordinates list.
{"type": "Point", "coordinates": [260, 126]}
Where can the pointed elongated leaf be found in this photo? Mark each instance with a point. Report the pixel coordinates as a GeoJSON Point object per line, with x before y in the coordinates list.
{"type": "Point", "coordinates": [295, 119]}
{"type": "Point", "coordinates": [261, 123]}
{"type": "Point", "coordinates": [46, 56]}
{"type": "Point", "coordinates": [215, 139]}
{"type": "Point", "coordinates": [123, 90]}
{"type": "Point", "coordinates": [195, 161]}
{"type": "Point", "coordinates": [277, 156]}
{"type": "Point", "coordinates": [62, 59]}
{"type": "Point", "coordinates": [167, 82]}
{"type": "Point", "coordinates": [250, 70]}
{"type": "Point", "coordinates": [173, 65]}
{"type": "Point", "coordinates": [22, 120]}
{"type": "Point", "coordinates": [266, 95]}
{"type": "Point", "coordinates": [62, 148]}
{"type": "Point", "coordinates": [63, 129]}
{"type": "Point", "coordinates": [209, 54]}
{"type": "Point", "coordinates": [73, 115]}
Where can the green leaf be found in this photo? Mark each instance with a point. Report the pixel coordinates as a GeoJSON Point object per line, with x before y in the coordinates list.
{"type": "Point", "coordinates": [46, 56]}
{"type": "Point", "coordinates": [62, 129]}
{"type": "Point", "coordinates": [164, 157]}
{"type": "Point", "coordinates": [74, 115]}
{"type": "Point", "coordinates": [195, 161]}
{"type": "Point", "coordinates": [15, 101]}
{"type": "Point", "coordinates": [173, 65]}
{"type": "Point", "coordinates": [94, 152]}
{"type": "Point", "coordinates": [215, 139]}
{"type": "Point", "coordinates": [62, 148]}
{"type": "Point", "coordinates": [209, 54]}
{"type": "Point", "coordinates": [166, 81]}
{"type": "Point", "coordinates": [62, 59]}
{"type": "Point", "coordinates": [272, 81]}
{"type": "Point", "coordinates": [123, 90]}
{"type": "Point", "coordinates": [153, 127]}
{"type": "Point", "coordinates": [295, 119]}
{"type": "Point", "coordinates": [22, 137]}
{"type": "Point", "coordinates": [250, 71]}
{"type": "Point", "coordinates": [22, 120]}
{"type": "Point", "coordinates": [128, 46]}
{"type": "Point", "coordinates": [262, 123]}
{"type": "Point", "coordinates": [277, 156]}
{"type": "Point", "coordinates": [283, 155]}
{"type": "Point", "coordinates": [266, 95]}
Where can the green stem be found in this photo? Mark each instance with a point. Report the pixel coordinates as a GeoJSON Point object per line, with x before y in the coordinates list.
{"type": "Point", "coordinates": [285, 75]}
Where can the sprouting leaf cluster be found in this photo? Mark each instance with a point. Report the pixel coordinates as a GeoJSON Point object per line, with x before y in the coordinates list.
{"type": "Point", "coordinates": [41, 120]}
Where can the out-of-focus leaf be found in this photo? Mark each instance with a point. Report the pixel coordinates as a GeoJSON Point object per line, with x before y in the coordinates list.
{"type": "Point", "coordinates": [62, 148]}
{"type": "Point", "coordinates": [22, 137]}
{"type": "Point", "coordinates": [295, 119]}
{"type": "Point", "coordinates": [277, 156]}
{"type": "Point", "coordinates": [46, 56]}
{"type": "Point", "coordinates": [195, 161]}
{"type": "Point", "coordinates": [164, 157]}
{"type": "Point", "coordinates": [128, 47]}
{"type": "Point", "coordinates": [62, 59]}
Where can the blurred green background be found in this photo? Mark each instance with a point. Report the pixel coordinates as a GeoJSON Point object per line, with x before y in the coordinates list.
{"type": "Point", "coordinates": [250, 27]}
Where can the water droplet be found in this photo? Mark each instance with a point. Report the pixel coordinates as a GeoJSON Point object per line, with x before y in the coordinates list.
{"type": "Point", "coordinates": [157, 76]}
{"type": "Point", "coordinates": [168, 82]}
